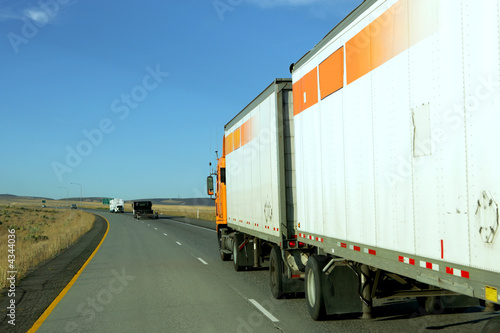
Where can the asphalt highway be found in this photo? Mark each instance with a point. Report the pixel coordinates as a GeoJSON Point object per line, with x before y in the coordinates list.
{"type": "Point", "coordinates": [166, 276]}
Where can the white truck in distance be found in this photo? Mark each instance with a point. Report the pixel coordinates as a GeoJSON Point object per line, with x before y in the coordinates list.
{"type": "Point", "coordinates": [116, 206]}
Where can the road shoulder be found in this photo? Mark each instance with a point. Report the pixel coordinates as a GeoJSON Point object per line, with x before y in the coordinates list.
{"type": "Point", "coordinates": [39, 289]}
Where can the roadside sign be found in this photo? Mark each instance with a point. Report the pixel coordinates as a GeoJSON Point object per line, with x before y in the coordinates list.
{"type": "Point", "coordinates": [43, 201]}
{"type": "Point", "coordinates": [105, 201]}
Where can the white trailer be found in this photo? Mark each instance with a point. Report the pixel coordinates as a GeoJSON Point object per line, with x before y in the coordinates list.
{"type": "Point", "coordinates": [254, 156]}
{"type": "Point", "coordinates": [395, 113]}
{"type": "Point", "coordinates": [116, 205]}
{"type": "Point", "coordinates": [379, 179]}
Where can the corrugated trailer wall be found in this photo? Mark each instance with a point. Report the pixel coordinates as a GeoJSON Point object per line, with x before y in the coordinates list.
{"type": "Point", "coordinates": [396, 122]}
{"type": "Point", "coordinates": [255, 187]}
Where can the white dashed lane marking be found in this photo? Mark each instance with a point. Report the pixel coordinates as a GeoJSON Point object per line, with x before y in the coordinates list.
{"type": "Point", "coordinates": [264, 311]}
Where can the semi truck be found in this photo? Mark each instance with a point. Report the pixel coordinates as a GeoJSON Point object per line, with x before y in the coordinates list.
{"type": "Point", "coordinates": [116, 206]}
{"type": "Point", "coordinates": [372, 173]}
{"type": "Point", "coordinates": [143, 208]}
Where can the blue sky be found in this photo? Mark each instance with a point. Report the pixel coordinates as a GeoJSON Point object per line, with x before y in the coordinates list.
{"type": "Point", "coordinates": [129, 99]}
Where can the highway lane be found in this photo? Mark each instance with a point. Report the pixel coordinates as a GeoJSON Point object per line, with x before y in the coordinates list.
{"type": "Point", "coordinates": [162, 275]}
{"type": "Point", "coordinates": [142, 280]}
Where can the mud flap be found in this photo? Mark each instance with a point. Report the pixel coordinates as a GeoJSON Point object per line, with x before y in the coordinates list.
{"type": "Point", "coordinates": [341, 291]}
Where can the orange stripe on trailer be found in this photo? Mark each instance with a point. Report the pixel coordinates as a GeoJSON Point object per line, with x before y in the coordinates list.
{"type": "Point", "coordinates": [389, 34]}
{"type": "Point", "coordinates": [380, 41]}
{"type": "Point", "coordinates": [358, 62]}
{"type": "Point", "coordinates": [331, 73]}
{"type": "Point", "coordinates": [237, 138]}
{"type": "Point", "coordinates": [229, 144]}
{"type": "Point", "coordinates": [307, 93]}
{"type": "Point", "coordinates": [246, 132]}
{"type": "Point", "coordinates": [297, 92]}
{"type": "Point", "coordinates": [242, 135]}
{"type": "Point", "coordinates": [403, 25]}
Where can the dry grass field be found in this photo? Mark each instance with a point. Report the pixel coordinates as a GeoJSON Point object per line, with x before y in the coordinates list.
{"type": "Point", "coordinates": [40, 234]}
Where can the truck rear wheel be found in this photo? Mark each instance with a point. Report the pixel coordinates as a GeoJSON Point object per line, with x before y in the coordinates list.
{"type": "Point", "coordinates": [276, 272]}
{"type": "Point", "coordinates": [314, 289]}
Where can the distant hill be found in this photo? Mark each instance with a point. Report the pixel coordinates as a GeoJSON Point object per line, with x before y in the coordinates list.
{"type": "Point", "coordinates": [156, 201]}
{"type": "Point", "coordinates": [17, 197]}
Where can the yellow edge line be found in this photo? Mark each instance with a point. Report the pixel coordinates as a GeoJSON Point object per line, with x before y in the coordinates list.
{"type": "Point", "coordinates": [59, 297]}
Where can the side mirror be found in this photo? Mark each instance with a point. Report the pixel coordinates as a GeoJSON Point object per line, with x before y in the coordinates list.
{"type": "Point", "coordinates": [210, 185]}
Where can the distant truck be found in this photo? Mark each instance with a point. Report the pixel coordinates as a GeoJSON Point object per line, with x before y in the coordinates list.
{"type": "Point", "coordinates": [143, 209]}
{"type": "Point", "coordinates": [116, 206]}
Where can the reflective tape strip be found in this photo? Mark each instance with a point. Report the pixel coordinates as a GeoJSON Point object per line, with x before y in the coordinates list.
{"type": "Point", "coordinates": [457, 272]}
{"type": "Point", "coordinates": [429, 265]}
{"type": "Point", "coordinates": [370, 251]}
{"type": "Point", "coordinates": [407, 260]}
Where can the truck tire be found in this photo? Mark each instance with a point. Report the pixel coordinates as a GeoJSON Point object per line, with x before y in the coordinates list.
{"type": "Point", "coordinates": [314, 289]}
{"type": "Point", "coordinates": [236, 257]}
{"type": "Point", "coordinates": [492, 326]}
{"type": "Point", "coordinates": [276, 272]}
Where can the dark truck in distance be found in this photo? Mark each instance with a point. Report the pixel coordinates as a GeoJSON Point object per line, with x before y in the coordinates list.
{"type": "Point", "coordinates": [143, 209]}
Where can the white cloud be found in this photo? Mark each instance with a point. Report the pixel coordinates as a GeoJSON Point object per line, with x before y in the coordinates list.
{"type": "Point", "coordinates": [44, 13]}
{"type": "Point", "coordinates": [37, 15]}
